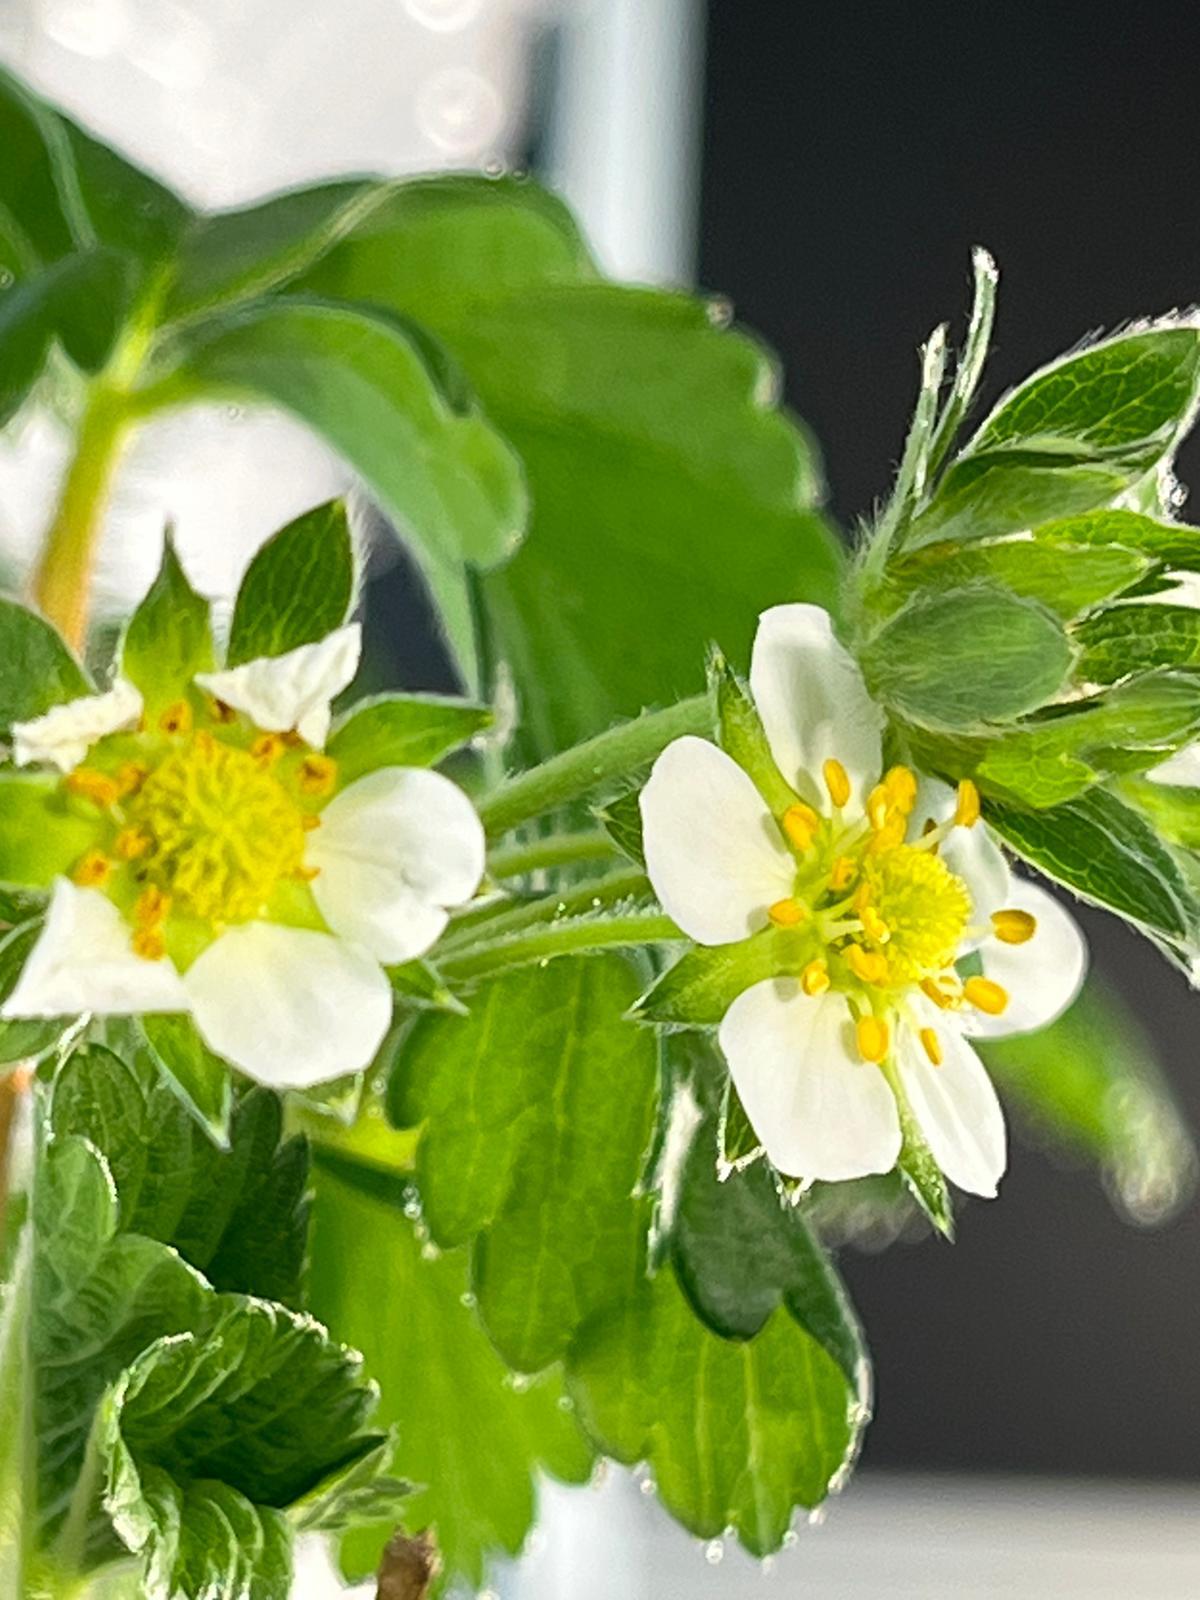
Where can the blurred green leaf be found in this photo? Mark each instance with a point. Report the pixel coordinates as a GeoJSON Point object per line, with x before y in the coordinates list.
{"type": "Point", "coordinates": [169, 637]}
{"type": "Point", "coordinates": [298, 588]}
{"type": "Point", "coordinates": [37, 670]}
{"type": "Point", "coordinates": [398, 730]}
{"type": "Point", "coordinates": [18, 1456]}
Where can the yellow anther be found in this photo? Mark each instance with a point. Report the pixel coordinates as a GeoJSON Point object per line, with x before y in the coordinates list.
{"type": "Point", "coordinates": [966, 812]}
{"type": "Point", "coordinates": [836, 781]}
{"type": "Point", "coordinates": [815, 978]}
{"type": "Point", "coordinates": [306, 874]}
{"type": "Point", "coordinates": [932, 1045]}
{"type": "Point", "coordinates": [874, 925]}
{"type": "Point", "coordinates": [317, 774]}
{"type": "Point", "coordinates": [220, 712]}
{"type": "Point", "coordinates": [152, 906]}
{"type": "Point", "coordinates": [985, 995]}
{"type": "Point", "coordinates": [841, 874]}
{"type": "Point", "coordinates": [131, 777]}
{"type": "Point", "coordinates": [878, 807]}
{"type": "Point", "coordinates": [149, 944]}
{"type": "Point", "coordinates": [268, 747]}
{"type": "Point", "coordinates": [862, 897]}
{"type": "Point", "coordinates": [177, 718]}
{"type": "Point", "coordinates": [945, 991]}
{"type": "Point", "coordinates": [800, 823]}
{"type": "Point", "coordinates": [92, 870]}
{"type": "Point", "coordinates": [309, 820]}
{"type": "Point", "coordinates": [901, 786]}
{"type": "Point", "coordinates": [131, 843]}
{"type": "Point", "coordinates": [889, 836]}
{"type": "Point", "coordinates": [786, 913]}
{"type": "Point", "coordinates": [1014, 927]}
{"type": "Point", "coordinates": [873, 1037]}
{"type": "Point", "coordinates": [97, 787]}
{"type": "Point", "coordinates": [867, 965]}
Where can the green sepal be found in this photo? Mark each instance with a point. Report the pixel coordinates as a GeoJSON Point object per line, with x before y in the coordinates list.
{"type": "Point", "coordinates": [700, 987]}
{"type": "Point", "coordinates": [1069, 579]}
{"type": "Point", "coordinates": [201, 1079]}
{"type": "Point", "coordinates": [621, 818]}
{"type": "Point", "coordinates": [169, 637]}
{"type": "Point", "coordinates": [397, 730]}
{"type": "Point", "coordinates": [298, 588]}
{"type": "Point", "coordinates": [922, 1176]}
{"type": "Point", "coordinates": [738, 1145]}
{"type": "Point", "coordinates": [43, 832]}
{"type": "Point", "coordinates": [37, 671]}
{"type": "Point", "coordinates": [742, 735]}
{"type": "Point", "coordinates": [419, 984]}
{"type": "Point", "coordinates": [1133, 638]}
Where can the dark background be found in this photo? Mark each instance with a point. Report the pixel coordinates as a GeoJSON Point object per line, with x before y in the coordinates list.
{"type": "Point", "coordinates": [854, 153]}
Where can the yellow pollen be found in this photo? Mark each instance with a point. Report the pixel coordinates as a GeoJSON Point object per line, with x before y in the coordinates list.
{"type": "Point", "coordinates": [868, 965]}
{"type": "Point", "coordinates": [815, 978]}
{"type": "Point", "coordinates": [901, 786]}
{"type": "Point", "coordinates": [97, 787]}
{"type": "Point", "coordinates": [945, 990]}
{"type": "Point", "coordinates": [874, 925]}
{"type": "Point", "coordinates": [985, 995]}
{"type": "Point", "coordinates": [925, 907]}
{"type": "Point", "coordinates": [317, 774]}
{"type": "Point", "coordinates": [220, 831]}
{"type": "Point", "coordinates": [149, 944]}
{"type": "Point", "coordinates": [966, 812]}
{"type": "Point", "coordinates": [841, 875]}
{"type": "Point", "coordinates": [872, 1035]}
{"type": "Point", "coordinates": [177, 718]}
{"type": "Point", "coordinates": [786, 913]}
{"type": "Point", "coordinates": [268, 747]}
{"type": "Point", "coordinates": [92, 870]}
{"type": "Point", "coordinates": [1014, 927]}
{"type": "Point", "coordinates": [932, 1045]}
{"type": "Point", "coordinates": [131, 843]}
{"type": "Point", "coordinates": [836, 781]}
{"type": "Point", "coordinates": [878, 807]}
{"type": "Point", "coordinates": [799, 823]}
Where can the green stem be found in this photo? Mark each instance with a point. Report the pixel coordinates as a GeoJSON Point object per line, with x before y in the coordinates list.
{"type": "Point", "coordinates": [577, 937]}
{"type": "Point", "coordinates": [552, 850]}
{"type": "Point", "coordinates": [594, 894]}
{"type": "Point", "coordinates": [577, 772]}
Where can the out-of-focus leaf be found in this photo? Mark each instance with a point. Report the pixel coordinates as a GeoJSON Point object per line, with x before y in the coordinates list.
{"type": "Point", "coordinates": [169, 637]}
{"type": "Point", "coordinates": [37, 670]}
{"type": "Point", "coordinates": [298, 588]}
{"type": "Point", "coordinates": [403, 731]}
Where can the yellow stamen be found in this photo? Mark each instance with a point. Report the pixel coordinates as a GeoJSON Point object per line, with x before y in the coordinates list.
{"type": "Point", "coordinates": [268, 748]}
{"type": "Point", "coordinates": [309, 820]}
{"type": "Point", "coordinates": [836, 781]}
{"type": "Point", "coordinates": [815, 978]}
{"type": "Point", "coordinates": [177, 718]}
{"type": "Point", "coordinates": [868, 965]}
{"type": "Point", "coordinates": [862, 897]}
{"type": "Point", "coordinates": [786, 913]}
{"type": "Point", "coordinates": [306, 874]}
{"type": "Point", "coordinates": [131, 777]}
{"type": "Point", "coordinates": [149, 944]}
{"type": "Point", "coordinates": [889, 836]}
{"type": "Point", "coordinates": [876, 928]}
{"type": "Point", "coordinates": [873, 1036]}
{"type": "Point", "coordinates": [317, 774]}
{"type": "Point", "coordinates": [220, 712]}
{"type": "Point", "coordinates": [92, 870]}
{"type": "Point", "coordinates": [878, 807]}
{"type": "Point", "coordinates": [932, 1045]}
{"type": "Point", "coordinates": [966, 812]}
{"type": "Point", "coordinates": [945, 991]}
{"type": "Point", "coordinates": [800, 824]}
{"type": "Point", "coordinates": [985, 995]}
{"type": "Point", "coordinates": [97, 787]}
{"type": "Point", "coordinates": [1014, 927]}
{"type": "Point", "coordinates": [901, 786]}
{"type": "Point", "coordinates": [131, 843]}
{"type": "Point", "coordinates": [152, 906]}
{"type": "Point", "coordinates": [842, 873]}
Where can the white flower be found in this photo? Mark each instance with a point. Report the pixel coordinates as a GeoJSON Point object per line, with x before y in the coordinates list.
{"type": "Point", "coordinates": [231, 880]}
{"type": "Point", "coordinates": [885, 885]}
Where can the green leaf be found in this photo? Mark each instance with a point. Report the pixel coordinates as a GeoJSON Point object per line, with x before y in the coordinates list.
{"type": "Point", "coordinates": [1091, 1083]}
{"type": "Point", "coordinates": [299, 587]}
{"type": "Point", "coordinates": [37, 670]}
{"type": "Point", "coordinates": [23, 1041]}
{"type": "Point", "coordinates": [737, 1434]}
{"type": "Point", "coordinates": [994, 492]}
{"type": "Point", "coordinates": [41, 835]}
{"type": "Point", "coordinates": [1173, 543]}
{"type": "Point", "coordinates": [1133, 638]}
{"type": "Point", "coordinates": [1106, 853]}
{"type": "Point", "coordinates": [36, 161]}
{"type": "Point", "coordinates": [648, 434]}
{"type": "Point", "coordinates": [699, 988]}
{"type": "Point", "coordinates": [1172, 809]}
{"type": "Point", "coordinates": [240, 1215]}
{"type": "Point", "coordinates": [363, 1492]}
{"type": "Point", "coordinates": [202, 1080]}
{"type": "Point", "coordinates": [169, 637]}
{"type": "Point", "coordinates": [526, 1149]}
{"type": "Point", "coordinates": [965, 656]}
{"type": "Point", "coordinates": [467, 1436]}
{"type": "Point", "coordinates": [1067, 578]}
{"type": "Point", "coordinates": [449, 481]}
{"type": "Point", "coordinates": [403, 731]}
{"type": "Point", "coordinates": [127, 209]}
{"type": "Point", "coordinates": [741, 1250]}
{"type": "Point", "coordinates": [17, 1450]}
{"type": "Point", "coordinates": [1134, 392]}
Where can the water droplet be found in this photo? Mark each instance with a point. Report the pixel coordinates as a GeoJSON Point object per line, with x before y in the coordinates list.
{"type": "Point", "coordinates": [467, 1299]}
{"type": "Point", "coordinates": [95, 28]}
{"type": "Point", "coordinates": [714, 1552]}
{"type": "Point", "coordinates": [430, 1251]}
{"type": "Point", "coordinates": [443, 16]}
{"type": "Point", "coordinates": [460, 111]}
{"type": "Point", "coordinates": [719, 311]}
{"type": "Point", "coordinates": [565, 1403]}
{"type": "Point", "coordinates": [790, 1539]}
{"type": "Point", "coordinates": [412, 1207]}
{"type": "Point", "coordinates": [519, 1382]}
{"type": "Point", "coordinates": [494, 168]}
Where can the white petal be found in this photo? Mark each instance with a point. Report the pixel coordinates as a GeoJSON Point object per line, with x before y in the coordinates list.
{"type": "Point", "coordinates": [1180, 771]}
{"type": "Point", "coordinates": [1042, 976]}
{"type": "Point", "coordinates": [279, 693]}
{"type": "Point", "coordinates": [65, 734]}
{"type": "Point", "coordinates": [813, 703]}
{"type": "Point", "coordinates": [392, 851]}
{"type": "Point", "coordinates": [290, 1006]}
{"type": "Point", "coordinates": [83, 961]}
{"type": "Point", "coordinates": [954, 1103]}
{"type": "Point", "coordinates": [713, 851]}
{"type": "Point", "coordinates": [972, 854]}
{"type": "Point", "coordinates": [820, 1111]}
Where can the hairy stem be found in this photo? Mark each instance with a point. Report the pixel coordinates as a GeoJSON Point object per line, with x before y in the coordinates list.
{"type": "Point", "coordinates": [593, 894]}
{"type": "Point", "coordinates": [586, 767]}
{"type": "Point", "coordinates": [574, 937]}
{"type": "Point", "coordinates": [551, 850]}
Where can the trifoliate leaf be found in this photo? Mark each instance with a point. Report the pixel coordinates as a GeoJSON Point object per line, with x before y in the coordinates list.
{"type": "Point", "coordinates": [169, 637]}
{"type": "Point", "coordinates": [403, 731]}
{"type": "Point", "coordinates": [298, 588]}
